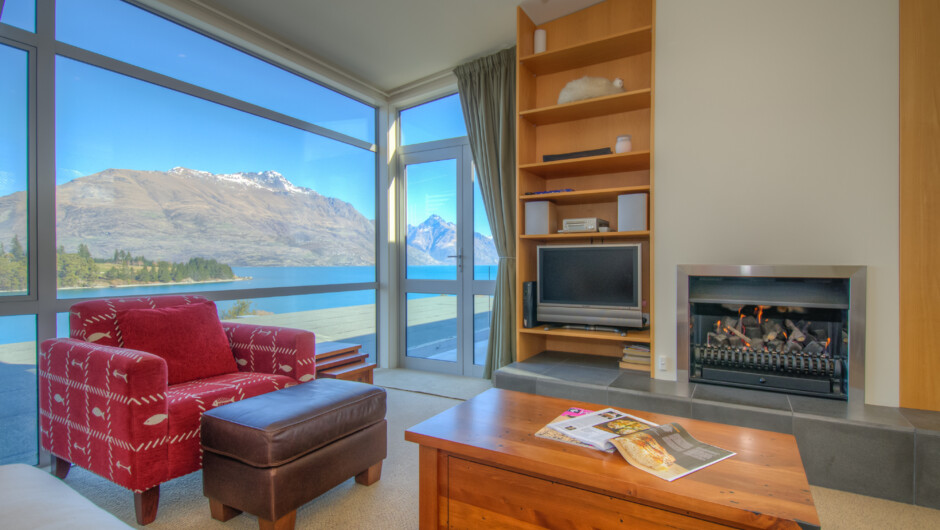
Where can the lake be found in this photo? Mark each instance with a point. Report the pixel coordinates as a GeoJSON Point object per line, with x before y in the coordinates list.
{"type": "Point", "coordinates": [22, 328]}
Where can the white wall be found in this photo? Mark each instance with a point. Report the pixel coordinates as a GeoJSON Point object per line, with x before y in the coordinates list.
{"type": "Point", "coordinates": [776, 135]}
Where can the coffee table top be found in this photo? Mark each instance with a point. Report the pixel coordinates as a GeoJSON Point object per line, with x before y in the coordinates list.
{"type": "Point", "coordinates": [762, 486]}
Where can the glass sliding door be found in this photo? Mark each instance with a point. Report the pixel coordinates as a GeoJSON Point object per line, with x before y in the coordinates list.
{"type": "Point", "coordinates": [446, 312]}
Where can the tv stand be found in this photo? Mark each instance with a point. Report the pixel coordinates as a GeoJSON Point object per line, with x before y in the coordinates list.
{"type": "Point", "coordinates": [622, 331]}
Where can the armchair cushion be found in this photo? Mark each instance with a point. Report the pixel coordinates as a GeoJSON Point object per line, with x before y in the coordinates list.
{"type": "Point", "coordinates": [187, 401]}
{"type": "Point", "coordinates": [188, 337]}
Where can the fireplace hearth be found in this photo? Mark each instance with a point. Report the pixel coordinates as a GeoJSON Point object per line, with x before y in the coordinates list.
{"type": "Point", "coordinates": [794, 329]}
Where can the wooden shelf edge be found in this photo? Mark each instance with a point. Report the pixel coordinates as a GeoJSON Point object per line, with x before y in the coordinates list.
{"type": "Point", "coordinates": [590, 108]}
{"type": "Point", "coordinates": [565, 197]}
{"type": "Point", "coordinates": [641, 335]}
{"type": "Point", "coordinates": [586, 235]}
{"type": "Point", "coordinates": [632, 161]}
{"type": "Point", "coordinates": [626, 44]}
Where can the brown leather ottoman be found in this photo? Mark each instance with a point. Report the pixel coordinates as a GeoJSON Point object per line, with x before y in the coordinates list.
{"type": "Point", "coordinates": [270, 454]}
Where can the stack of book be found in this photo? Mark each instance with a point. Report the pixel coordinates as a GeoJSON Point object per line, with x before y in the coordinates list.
{"type": "Point", "coordinates": [636, 357]}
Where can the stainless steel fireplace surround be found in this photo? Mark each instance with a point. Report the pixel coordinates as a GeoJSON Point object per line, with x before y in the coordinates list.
{"type": "Point", "coordinates": [757, 358]}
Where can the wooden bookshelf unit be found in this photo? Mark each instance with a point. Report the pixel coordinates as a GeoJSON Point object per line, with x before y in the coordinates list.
{"type": "Point", "coordinates": [612, 39]}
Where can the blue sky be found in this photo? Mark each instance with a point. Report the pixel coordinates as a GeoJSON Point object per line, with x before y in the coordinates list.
{"type": "Point", "coordinates": [13, 120]}
{"type": "Point", "coordinates": [108, 120]}
{"type": "Point", "coordinates": [132, 35]}
{"type": "Point", "coordinates": [434, 120]}
{"type": "Point", "coordinates": [20, 13]}
{"type": "Point", "coordinates": [432, 185]}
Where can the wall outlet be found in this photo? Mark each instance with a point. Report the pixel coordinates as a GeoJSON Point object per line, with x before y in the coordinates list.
{"type": "Point", "coordinates": [662, 362]}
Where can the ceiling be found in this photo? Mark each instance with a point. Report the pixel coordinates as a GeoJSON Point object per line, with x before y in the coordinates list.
{"type": "Point", "coordinates": [388, 44]}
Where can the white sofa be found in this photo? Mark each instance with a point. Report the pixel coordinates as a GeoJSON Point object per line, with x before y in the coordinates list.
{"type": "Point", "coordinates": [32, 498]}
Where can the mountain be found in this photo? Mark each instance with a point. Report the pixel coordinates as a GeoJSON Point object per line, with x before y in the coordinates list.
{"type": "Point", "coordinates": [242, 219]}
{"type": "Point", "coordinates": [434, 239]}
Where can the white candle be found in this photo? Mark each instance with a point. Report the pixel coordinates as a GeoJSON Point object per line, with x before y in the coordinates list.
{"type": "Point", "coordinates": [624, 144]}
{"type": "Point", "coordinates": [539, 41]}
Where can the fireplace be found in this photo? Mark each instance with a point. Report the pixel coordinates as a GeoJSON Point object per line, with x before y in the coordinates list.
{"type": "Point", "coordinates": [792, 329]}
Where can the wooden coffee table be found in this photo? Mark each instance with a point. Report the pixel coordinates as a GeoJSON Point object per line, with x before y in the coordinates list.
{"type": "Point", "coordinates": [482, 466]}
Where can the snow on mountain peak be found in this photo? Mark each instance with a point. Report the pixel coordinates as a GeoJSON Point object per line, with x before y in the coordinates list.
{"type": "Point", "coordinates": [186, 172]}
{"type": "Point", "coordinates": [267, 180]}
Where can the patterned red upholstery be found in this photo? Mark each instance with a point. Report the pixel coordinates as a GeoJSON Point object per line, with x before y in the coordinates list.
{"type": "Point", "coordinates": [272, 350]}
{"type": "Point", "coordinates": [109, 409]}
{"type": "Point", "coordinates": [187, 401]}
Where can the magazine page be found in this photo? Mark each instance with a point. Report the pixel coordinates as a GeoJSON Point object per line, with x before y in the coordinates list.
{"type": "Point", "coordinates": [668, 451]}
{"type": "Point", "coordinates": [597, 428]}
{"type": "Point", "coordinates": [551, 434]}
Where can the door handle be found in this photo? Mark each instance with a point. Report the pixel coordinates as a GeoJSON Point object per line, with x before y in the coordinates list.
{"type": "Point", "coordinates": [459, 256]}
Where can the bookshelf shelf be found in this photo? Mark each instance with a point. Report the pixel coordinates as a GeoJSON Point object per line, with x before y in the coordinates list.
{"type": "Point", "coordinates": [618, 46]}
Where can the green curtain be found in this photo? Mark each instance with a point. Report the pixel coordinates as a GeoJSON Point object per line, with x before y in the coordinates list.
{"type": "Point", "coordinates": [488, 96]}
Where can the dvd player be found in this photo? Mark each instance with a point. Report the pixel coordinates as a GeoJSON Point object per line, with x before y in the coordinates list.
{"type": "Point", "coordinates": [584, 224]}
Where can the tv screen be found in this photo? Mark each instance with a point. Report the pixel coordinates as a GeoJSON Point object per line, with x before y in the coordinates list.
{"type": "Point", "coordinates": [591, 275]}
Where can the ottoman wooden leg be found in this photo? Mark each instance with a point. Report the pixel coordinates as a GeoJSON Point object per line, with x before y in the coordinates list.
{"type": "Point", "coordinates": [286, 522]}
{"type": "Point", "coordinates": [221, 512]}
{"type": "Point", "coordinates": [371, 475]}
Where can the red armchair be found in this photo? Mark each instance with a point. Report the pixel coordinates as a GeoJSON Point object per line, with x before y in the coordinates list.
{"type": "Point", "coordinates": [110, 409]}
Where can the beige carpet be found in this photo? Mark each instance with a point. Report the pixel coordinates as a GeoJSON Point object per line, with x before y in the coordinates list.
{"type": "Point", "coordinates": [392, 502]}
{"type": "Point", "coordinates": [452, 386]}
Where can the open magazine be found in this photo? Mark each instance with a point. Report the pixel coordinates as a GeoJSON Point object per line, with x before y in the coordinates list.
{"type": "Point", "coordinates": [598, 428]}
{"type": "Point", "coordinates": [666, 451]}
{"type": "Point", "coordinates": [552, 434]}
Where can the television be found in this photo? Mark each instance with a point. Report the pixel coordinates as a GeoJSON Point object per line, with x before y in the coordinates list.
{"type": "Point", "coordinates": [591, 286]}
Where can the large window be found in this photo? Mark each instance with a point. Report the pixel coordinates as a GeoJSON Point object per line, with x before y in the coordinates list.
{"type": "Point", "coordinates": [262, 204]}
{"type": "Point", "coordinates": [181, 165]}
{"type": "Point", "coordinates": [14, 141]}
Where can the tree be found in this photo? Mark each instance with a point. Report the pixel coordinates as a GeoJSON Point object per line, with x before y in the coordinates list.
{"type": "Point", "coordinates": [17, 249]}
{"type": "Point", "coordinates": [83, 251]}
{"type": "Point", "coordinates": [164, 275]}
{"type": "Point", "coordinates": [239, 308]}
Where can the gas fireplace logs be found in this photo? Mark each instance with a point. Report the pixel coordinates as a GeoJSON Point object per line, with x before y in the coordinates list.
{"type": "Point", "coordinates": [763, 346]}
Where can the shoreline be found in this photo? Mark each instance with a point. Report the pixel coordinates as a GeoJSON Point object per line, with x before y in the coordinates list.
{"type": "Point", "coordinates": [191, 282]}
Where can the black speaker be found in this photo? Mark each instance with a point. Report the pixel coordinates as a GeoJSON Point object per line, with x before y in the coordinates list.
{"type": "Point", "coordinates": [528, 304]}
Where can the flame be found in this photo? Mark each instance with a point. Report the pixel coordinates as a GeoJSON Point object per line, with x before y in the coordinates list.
{"type": "Point", "coordinates": [760, 313]}
{"type": "Point", "coordinates": [828, 340]}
